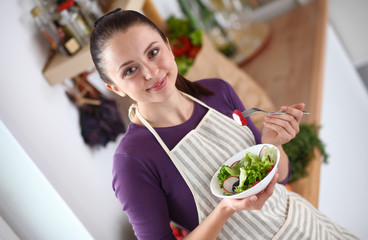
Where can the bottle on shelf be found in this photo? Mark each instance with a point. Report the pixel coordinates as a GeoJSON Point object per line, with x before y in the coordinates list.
{"type": "Point", "coordinates": [73, 23]}
{"type": "Point", "coordinates": [90, 10]}
{"type": "Point", "coordinates": [47, 29]}
{"type": "Point", "coordinates": [69, 42]}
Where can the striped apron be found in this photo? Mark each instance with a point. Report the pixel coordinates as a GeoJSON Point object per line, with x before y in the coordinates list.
{"type": "Point", "coordinates": [202, 151]}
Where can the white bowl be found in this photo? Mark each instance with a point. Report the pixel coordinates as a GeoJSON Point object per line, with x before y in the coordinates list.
{"type": "Point", "coordinates": [215, 183]}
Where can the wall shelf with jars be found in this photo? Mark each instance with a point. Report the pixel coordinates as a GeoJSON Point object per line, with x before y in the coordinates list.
{"type": "Point", "coordinates": [72, 56]}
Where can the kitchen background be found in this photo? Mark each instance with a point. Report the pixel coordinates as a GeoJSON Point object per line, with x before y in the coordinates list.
{"type": "Point", "coordinates": [46, 170]}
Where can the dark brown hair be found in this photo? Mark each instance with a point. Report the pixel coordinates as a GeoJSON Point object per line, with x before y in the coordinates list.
{"type": "Point", "coordinates": [121, 21]}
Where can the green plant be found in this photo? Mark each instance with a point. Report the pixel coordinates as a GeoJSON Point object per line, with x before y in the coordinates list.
{"type": "Point", "coordinates": [185, 42]}
{"type": "Point", "coordinates": [300, 150]}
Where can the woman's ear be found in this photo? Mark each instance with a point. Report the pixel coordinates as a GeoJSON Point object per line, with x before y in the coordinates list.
{"type": "Point", "coordinates": [169, 47]}
{"type": "Point", "coordinates": [168, 43]}
{"type": "Point", "coordinates": [115, 89]}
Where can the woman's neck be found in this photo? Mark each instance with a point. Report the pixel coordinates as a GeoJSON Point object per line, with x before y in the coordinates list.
{"type": "Point", "coordinates": [176, 110]}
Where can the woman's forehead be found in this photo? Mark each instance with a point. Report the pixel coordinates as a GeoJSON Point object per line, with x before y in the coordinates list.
{"type": "Point", "coordinates": [136, 31]}
{"type": "Point", "coordinates": [126, 45]}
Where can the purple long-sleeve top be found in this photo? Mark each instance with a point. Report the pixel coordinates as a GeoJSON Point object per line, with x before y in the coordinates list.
{"type": "Point", "coordinates": [148, 185]}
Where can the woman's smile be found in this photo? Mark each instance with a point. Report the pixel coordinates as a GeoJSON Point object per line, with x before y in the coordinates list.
{"type": "Point", "coordinates": [158, 85]}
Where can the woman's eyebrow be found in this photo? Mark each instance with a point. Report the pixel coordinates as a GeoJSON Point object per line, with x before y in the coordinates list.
{"type": "Point", "coordinates": [145, 51]}
{"type": "Point", "coordinates": [124, 64]}
{"type": "Point", "coordinates": [149, 46]}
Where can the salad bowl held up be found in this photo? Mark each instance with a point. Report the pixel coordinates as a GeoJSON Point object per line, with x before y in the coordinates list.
{"type": "Point", "coordinates": [230, 187]}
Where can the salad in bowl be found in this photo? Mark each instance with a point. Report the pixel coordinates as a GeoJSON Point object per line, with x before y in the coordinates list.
{"type": "Point", "coordinates": [246, 173]}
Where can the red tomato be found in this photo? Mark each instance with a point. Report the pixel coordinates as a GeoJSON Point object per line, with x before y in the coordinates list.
{"type": "Point", "coordinates": [181, 47]}
{"type": "Point", "coordinates": [194, 51]}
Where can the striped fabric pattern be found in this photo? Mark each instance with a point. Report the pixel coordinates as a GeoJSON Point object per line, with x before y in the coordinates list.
{"type": "Point", "coordinates": [285, 215]}
{"type": "Point", "coordinates": [202, 152]}
{"type": "Point", "coordinates": [306, 222]}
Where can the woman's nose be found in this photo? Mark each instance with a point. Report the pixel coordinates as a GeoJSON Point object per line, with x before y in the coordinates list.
{"type": "Point", "coordinates": [149, 71]}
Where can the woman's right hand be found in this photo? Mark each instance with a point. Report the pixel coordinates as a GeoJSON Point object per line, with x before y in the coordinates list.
{"type": "Point", "coordinates": [211, 226]}
{"type": "Point", "coordinates": [254, 202]}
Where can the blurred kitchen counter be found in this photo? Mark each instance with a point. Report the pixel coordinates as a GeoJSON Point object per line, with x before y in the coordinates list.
{"type": "Point", "coordinates": [290, 69]}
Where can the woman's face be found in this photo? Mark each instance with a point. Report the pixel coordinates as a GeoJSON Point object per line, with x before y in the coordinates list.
{"type": "Point", "coordinates": [141, 65]}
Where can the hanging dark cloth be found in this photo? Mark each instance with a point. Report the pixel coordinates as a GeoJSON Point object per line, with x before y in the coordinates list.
{"type": "Point", "coordinates": [99, 118]}
{"type": "Point", "coordinates": [100, 124]}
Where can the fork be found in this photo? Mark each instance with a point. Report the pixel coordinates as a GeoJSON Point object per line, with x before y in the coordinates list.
{"type": "Point", "coordinates": [250, 111]}
{"type": "Point", "coordinates": [240, 117]}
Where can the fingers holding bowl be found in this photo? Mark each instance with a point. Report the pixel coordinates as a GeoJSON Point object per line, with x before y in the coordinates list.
{"type": "Point", "coordinates": [254, 202]}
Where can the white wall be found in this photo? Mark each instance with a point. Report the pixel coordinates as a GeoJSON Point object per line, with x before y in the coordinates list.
{"type": "Point", "coordinates": [29, 203]}
{"type": "Point", "coordinates": [350, 18]}
{"type": "Point", "coordinates": [45, 124]}
{"type": "Point", "coordinates": [343, 189]}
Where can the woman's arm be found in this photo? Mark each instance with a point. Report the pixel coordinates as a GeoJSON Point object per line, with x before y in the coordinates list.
{"type": "Point", "coordinates": [280, 129]}
{"type": "Point", "coordinates": [211, 226]}
{"type": "Point", "coordinates": [283, 165]}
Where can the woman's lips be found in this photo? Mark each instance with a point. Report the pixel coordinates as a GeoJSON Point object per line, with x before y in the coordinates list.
{"type": "Point", "coordinates": [158, 85]}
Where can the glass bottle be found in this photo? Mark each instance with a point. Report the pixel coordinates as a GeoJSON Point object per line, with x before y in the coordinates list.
{"type": "Point", "coordinates": [90, 10]}
{"type": "Point", "coordinates": [73, 22]}
{"type": "Point", "coordinates": [47, 28]}
{"type": "Point", "coordinates": [69, 42]}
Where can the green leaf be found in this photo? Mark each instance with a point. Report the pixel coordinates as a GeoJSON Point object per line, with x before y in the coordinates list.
{"type": "Point", "coordinates": [300, 150]}
{"type": "Point", "coordinates": [223, 174]}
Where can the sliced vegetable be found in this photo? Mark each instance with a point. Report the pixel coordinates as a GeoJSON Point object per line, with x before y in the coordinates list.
{"type": "Point", "coordinates": [248, 171]}
{"type": "Point", "coordinates": [239, 118]}
{"type": "Point", "coordinates": [228, 183]}
{"type": "Point", "coordinates": [262, 150]}
{"type": "Point", "coordinates": [232, 165]}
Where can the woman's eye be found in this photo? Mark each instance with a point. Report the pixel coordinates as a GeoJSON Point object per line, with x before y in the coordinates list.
{"type": "Point", "coordinates": [129, 71]}
{"type": "Point", "coordinates": [153, 53]}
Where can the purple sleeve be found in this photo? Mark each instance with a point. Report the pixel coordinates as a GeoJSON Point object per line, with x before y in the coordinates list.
{"type": "Point", "coordinates": [150, 219]}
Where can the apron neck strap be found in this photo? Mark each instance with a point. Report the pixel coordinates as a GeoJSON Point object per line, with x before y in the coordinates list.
{"type": "Point", "coordinates": [133, 109]}
{"type": "Point", "coordinates": [196, 100]}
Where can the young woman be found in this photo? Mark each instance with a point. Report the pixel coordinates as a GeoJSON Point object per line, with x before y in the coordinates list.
{"type": "Point", "coordinates": [180, 133]}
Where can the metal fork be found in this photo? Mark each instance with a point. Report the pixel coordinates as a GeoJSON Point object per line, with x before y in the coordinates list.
{"type": "Point", "coordinates": [250, 111]}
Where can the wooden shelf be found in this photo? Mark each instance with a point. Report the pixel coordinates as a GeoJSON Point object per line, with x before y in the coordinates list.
{"type": "Point", "coordinates": [290, 70]}
{"type": "Point", "coordinates": [62, 67]}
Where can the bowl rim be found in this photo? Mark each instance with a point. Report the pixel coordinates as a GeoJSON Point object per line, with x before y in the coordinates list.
{"type": "Point", "coordinates": [214, 184]}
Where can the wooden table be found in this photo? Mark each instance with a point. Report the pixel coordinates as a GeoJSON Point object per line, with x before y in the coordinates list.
{"type": "Point", "coordinates": [290, 69]}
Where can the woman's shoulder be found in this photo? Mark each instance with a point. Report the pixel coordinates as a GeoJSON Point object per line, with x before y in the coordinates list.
{"type": "Point", "coordinates": [134, 140]}
{"type": "Point", "coordinates": [224, 97]}
{"type": "Point", "coordinates": [214, 84]}
{"type": "Point", "coordinates": [135, 154]}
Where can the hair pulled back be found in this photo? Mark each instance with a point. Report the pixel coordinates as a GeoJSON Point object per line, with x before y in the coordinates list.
{"type": "Point", "coordinates": [121, 21]}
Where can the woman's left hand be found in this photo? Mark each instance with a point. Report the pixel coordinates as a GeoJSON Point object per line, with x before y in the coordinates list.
{"type": "Point", "coordinates": [281, 128]}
